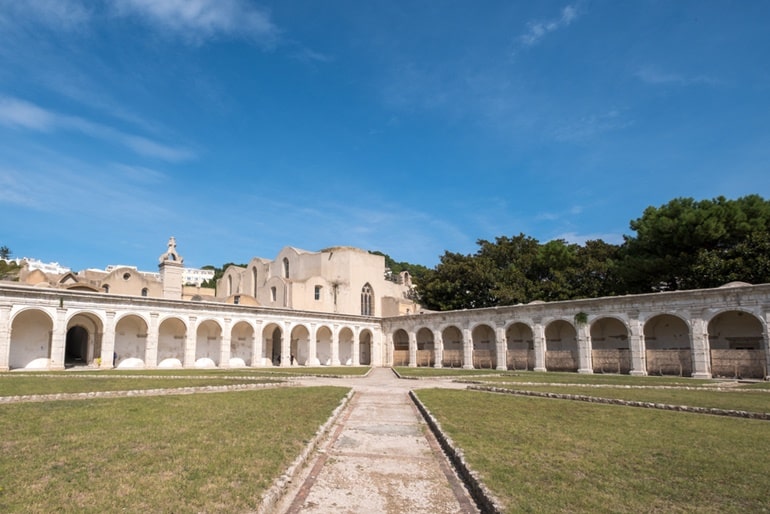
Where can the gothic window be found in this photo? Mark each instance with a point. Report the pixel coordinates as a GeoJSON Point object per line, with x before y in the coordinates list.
{"type": "Point", "coordinates": [285, 267]}
{"type": "Point", "coordinates": [366, 300]}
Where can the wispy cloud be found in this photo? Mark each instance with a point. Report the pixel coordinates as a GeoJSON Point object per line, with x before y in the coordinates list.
{"type": "Point", "coordinates": [19, 114]}
{"type": "Point", "coordinates": [537, 30]}
{"type": "Point", "coordinates": [201, 20]}
{"type": "Point", "coordinates": [655, 76]}
{"type": "Point", "coordinates": [54, 14]}
{"type": "Point", "coordinates": [586, 127]}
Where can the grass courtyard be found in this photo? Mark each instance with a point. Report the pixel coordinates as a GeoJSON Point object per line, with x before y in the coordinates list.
{"type": "Point", "coordinates": [219, 452]}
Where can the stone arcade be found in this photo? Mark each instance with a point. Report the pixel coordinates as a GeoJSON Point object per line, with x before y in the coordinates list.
{"type": "Point", "coordinates": [700, 333]}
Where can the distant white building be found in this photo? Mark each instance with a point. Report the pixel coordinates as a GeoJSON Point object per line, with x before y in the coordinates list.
{"type": "Point", "coordinates": [53, 268]}
{"type": "Point", "coordinates": [196, 276]}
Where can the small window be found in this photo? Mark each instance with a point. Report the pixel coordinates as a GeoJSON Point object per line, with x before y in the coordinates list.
{"type": "Point", "coordinates": [106, 288]}
{"type": "Point", "coordinates": [145, 291]}
{"type": "Point", "coordinates": [126, 276]}
{"type": "Point", "coordinates": [236, 299]}
{"type": "Point", "coordinates": [285, 267]}
{"type": "Point", "coordinates": [317, 292]}
{"type": "Point", "coordinates": [272, 294]}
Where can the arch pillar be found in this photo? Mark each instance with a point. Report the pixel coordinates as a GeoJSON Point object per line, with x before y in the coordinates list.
{"type": "Point", "coordinates": [5, 337]}
{"type": "Point", "coordinates": [356, 346]}
{"type": "Point", "coordinates": [412, 349]}
{"type": "Point", "coordinates": [189, 344]}
{"type": "Point", "coordinates": [438, 347]}
{"type": "Point", "coordinates": [501, 347]}
{"type": "Point", "coordinates": [286, 345]}
{"type": "Point", "coordinates": [224, 348]}
{"type": "Point", "coordinates": [766, 343]}
{"type": "Point", "coordinates": [538, 342]}
{"type": "Point", "coordinates": [699, 343]}
{"type": "Point", "coordinates": [389, 349]}
{"type": "Point", "coordinates": [585, 360]}
{"type": "Point", "coordinates": [58, 340]}
{"type": "Point", "coordinates": [637, 346]}
{"type": "Point", "coordinates": [108, 341]}
{"type": "Point", "coordinates": [335, 344]}
{"type": "Point", "coordinates": [467, 349]}
{"type": "Point", "coordinates": [312, 346]}
{"type": "Point", "coordinates": [256, 346]}
{"type": "Point", "coordinates": [151, 351]}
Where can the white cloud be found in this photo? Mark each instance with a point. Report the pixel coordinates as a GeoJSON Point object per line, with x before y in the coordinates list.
{"type": "Point", "coordinates": [580, 239]}
{"type": "Point", "coordinates": [654, 76]}
{"type": "Point", "coordinates": [56, 14]}
{"type": "Point", "coordinates": [537, 30]}
{"type": "Point", "coordinates": [199, 20]}
{"type": "Point", "coordinates": [19, 114]}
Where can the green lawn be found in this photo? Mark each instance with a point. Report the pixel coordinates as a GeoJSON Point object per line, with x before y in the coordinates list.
{"type": "Point", "coordinates": [734, 399]}
{"type": "Point", "coordinates": [197, 453]}
{"type": "Point", "coordinates": [543, 455]}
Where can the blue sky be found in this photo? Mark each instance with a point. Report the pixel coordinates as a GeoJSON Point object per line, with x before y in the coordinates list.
{"type": "Point", "coordinates": [241, 127]}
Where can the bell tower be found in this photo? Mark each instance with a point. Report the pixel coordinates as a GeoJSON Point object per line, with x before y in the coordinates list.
{"type": "Point", "coordinates": [171, 271]}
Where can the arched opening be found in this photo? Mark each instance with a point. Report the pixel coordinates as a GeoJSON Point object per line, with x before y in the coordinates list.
{"type": "Point", "coordinates": [130, 342]}
{"type": "Point", "coordinates": [561, 347]}
{"type": "Point", "coordinates": [737, 346]}
{"type": "Point", "coordinates": [667, 346]}
{"type": "Point", "coordinates": [323, 346]}
{"type": "Point", "coordinates": [484, 354]}
{"type": "Point", "coordinates": [426, 348]}
{"type": "Point", "coordinates": [400, 348]}
{"type": "Point", "coordinates": [76, 347]}
{"type": "Point", "coordinates": [273, 338]}
{"type": "Point", "coordinates": [365, 348]}
{"type": "Point", "coordinates": [172, 334]}
{"type": "Point", "coordinates": [346, 347]}
{"type": "Point", "coordinates": [453, 347]}
{"type": "Point", "coordinates": [254, 282]}
{"type": "Point", "coordinates": [241, 344]}
{"type": "Point", "coordinates": [521, 347]}
{"type": "Point", "coordinates": [208, 345]}
{"type": "Point", "coordinates": [367, 304]}
{"type": "Point", "coordinates": [285, 267]}
{"type": "Point", "coordinates": [610, 352]}
{"type": "Point", "coordinates": [300, 346]}
{"type": "Point", "coordinates": [30, 340]}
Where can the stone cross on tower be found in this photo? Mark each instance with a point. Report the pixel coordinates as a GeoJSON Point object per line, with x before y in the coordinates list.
{"type": "Point", "coordinates": [171, 271]}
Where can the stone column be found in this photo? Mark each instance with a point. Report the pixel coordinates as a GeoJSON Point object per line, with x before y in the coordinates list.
{"type": "Point", "coordinates": [5, 337]}
{"type": "Point", "coordinates": [190, 342]}
{"type": "Point", "coordinates": [58, 340]}
{"type": "Point", "coordinates": [438, 345]}
{"type": "Point", "coordinates": [412, 349]}
{"type": "Point", "coordinates": [501, 347]}
{"type": "Point", "coordinates": [699, 344]}
{"type": "Point", "coordinates": [637, 347]}
{"type": "Point", "coordinates": [766, 344]}
{"type": "Point", "coordinates": [153, 335]}
{"type": "Point", "coordinates": [286, 345]}
{"type": "Point", "coordinates": [356, 346]}
{"type": "Point", "coordinates": [467, 349]}
{"type": "Point", "coordinates": [336, 345]}
{"type": "Point", "coordinates": [585, 359]}
{"type": "Point", "coordinates": [312, 346]}
{"type": "Point", "coordinates": [388, 349]}
{"type": "Point", "coordinates": [258, 344]}
{"type": "Point", "coordinates": [538, 341]}
{"type": "Point", "coordinates": [224, 348]}
{"type": "Point", "coordinates": [108, 341]}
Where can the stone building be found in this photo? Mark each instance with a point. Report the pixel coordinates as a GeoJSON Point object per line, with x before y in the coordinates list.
{"type": "Point", "coordinates": [720, 332]}
{"type": "Point", "coordinates": [340, 280]}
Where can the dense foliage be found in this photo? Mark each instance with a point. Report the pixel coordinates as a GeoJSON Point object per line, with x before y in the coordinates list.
{"type": "Point", "coordinates": [684, 244]}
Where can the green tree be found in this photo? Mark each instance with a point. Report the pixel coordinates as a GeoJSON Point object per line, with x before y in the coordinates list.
{"type": "Point", "coordinates": [681, 244]}
{"type": "Point", "coordinates": [458, 282]}
{"type": "Point", "coordinates": [5, 252]}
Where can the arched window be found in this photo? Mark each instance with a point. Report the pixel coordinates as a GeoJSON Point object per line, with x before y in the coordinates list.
{"type": "Point", "coordinates": [272, 294]}
{"type": "Point", "coordinates": [254, 280]}
{"type": "Point", "coordinates": [366, 300]}
{"type": "Point", "coordinates": [229, 285]}
{"type": "Point", "coordinates": [106, 288]}
{"type": "Point", "coordinates": [285, 267]}
{"type": "Point", "coordinates": [145, 291]}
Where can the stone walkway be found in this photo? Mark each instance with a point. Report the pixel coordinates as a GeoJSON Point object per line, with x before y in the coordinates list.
{"type": "Point", "coordinates": [380, 456]}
